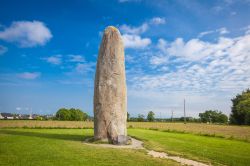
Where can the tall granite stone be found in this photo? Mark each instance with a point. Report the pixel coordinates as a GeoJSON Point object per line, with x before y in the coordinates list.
{"type": "Point", "coordinates": [110, 93]}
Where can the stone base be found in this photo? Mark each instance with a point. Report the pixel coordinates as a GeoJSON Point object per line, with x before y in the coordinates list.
{"type": "Point", "coordinates": [122, 140]}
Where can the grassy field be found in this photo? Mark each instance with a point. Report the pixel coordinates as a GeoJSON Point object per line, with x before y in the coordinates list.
{"type": "Point", "coordinates": [212, 149]}
{"type": "Point", "coordinates": [227, 131]}
{"type": "Point", "coordinates": [65, 147]}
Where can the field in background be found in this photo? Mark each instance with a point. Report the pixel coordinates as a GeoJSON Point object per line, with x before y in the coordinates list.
{"type": "Point", "coordinates": [227, 131]}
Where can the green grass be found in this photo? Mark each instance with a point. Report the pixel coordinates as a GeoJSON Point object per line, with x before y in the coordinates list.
{"type": "Point", "coordinates": [64, 147]}
{"type": "Point", "coordinates": [212, 149]}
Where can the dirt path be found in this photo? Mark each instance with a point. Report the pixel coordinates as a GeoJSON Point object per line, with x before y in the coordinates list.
{"type": "Point", "coordinates": [136, 144]}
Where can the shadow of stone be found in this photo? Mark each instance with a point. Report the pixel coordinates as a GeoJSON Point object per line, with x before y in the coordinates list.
{"type": "Point", "coordinates": [69, 137]}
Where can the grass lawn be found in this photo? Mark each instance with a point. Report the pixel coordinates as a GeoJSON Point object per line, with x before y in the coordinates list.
{"type": "Point", "coordinates": [64, 147]}
{"type": "Point", "coordinates": [215, 150]}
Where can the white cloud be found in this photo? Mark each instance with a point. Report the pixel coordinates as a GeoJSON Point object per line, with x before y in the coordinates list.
{"type": "Point", "coordinates": [133, 30]}
{"type": "Point", "coordinates": [136, 30]}
{"type": "Point", "coordinates": [129, 58]}
{"type": "Point", "coordinates": [55, 59]}
{"type": "Point", "coordinates": [208, 74]}
{"type": "Point", "coordinates": [3, 50]}
{"type": "Point", "coordinates": [158, 20]}
{"type": "Point", "coordinates": [204, 33]}
{"type": "Point", "coordinates": [221, 31]}
{"type": "Point", "coordinates": [246, 29]}
{"type": "Point", "coordinates": [131, 34]}
{"type": "Point", "coordinates": [84, 67]}
{"type": "Point", "coordinates": [158, 60]}
{"type": "Point", "coordinates": [76, 58]}
{"type": "Point", "coordinates": [29, 75]}
{"type": "Point", "coordinates": [135, 41]}
{"type": "Point", "coordinates": [217, 8]}
{"type": "Point", "coordinates": [26, 33]}
{"type": "Point", "coordinates": [222, 65]}
{"type": "Point", "coordinates": [18, 108]}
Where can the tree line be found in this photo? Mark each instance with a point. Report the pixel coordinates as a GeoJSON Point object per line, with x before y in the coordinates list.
{"type": "Point", "coordinates": [240, 114]}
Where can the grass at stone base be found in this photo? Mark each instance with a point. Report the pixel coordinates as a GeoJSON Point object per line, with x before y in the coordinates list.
{"type": "Point", "coordinates": [61, 147]}
{"type": "Point", "coordinates": [211, 149]}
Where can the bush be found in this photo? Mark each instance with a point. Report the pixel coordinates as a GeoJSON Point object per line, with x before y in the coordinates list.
{"type": "Point", "coordinates": [151, 116]}
{"type": "Point", "coordinates": [213, 116]}
{"type": "Point", "coordinates": [71, 114]}
{"type": "Point", "coordinates": [140, 118]}
{"type": "Point", "coordinates": [241, 109]}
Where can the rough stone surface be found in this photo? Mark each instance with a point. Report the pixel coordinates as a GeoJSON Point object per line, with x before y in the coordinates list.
{"type": "Point", "coordinates": [110, 93]}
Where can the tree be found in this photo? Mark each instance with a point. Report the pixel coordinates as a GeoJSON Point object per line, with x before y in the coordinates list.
{"type": "Point", "coordinates": [213, 116]}
{"type": "Point", "coordinates": [71, 114]}
{"type": "Point", "coordinates": [63, 114]}
{"type": "Point", "coordinates": [240, 113]}
{"type": "Point", "coordinates": [128, 116]}
{"type": "Point", "coordinates": [150, 116]}
{"type": "Point", "coordinates": [140, 118]}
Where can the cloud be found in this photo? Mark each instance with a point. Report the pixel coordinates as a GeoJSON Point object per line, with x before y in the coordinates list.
{"type": "Point", "coordinates": [84, 67]}
{"type": "Point", "coordinates": [29, 75]}
{"type": "Point", "coordinates": [129, 58]}
{"type": "Point", "coordinates": [26, 33]}
{"type": "Point", "coordinates": [202, 65]}
{"type": "Point", "coordinates": [55, 59]}
{"type": "Point", "coordinates": [221, 31]}
{"type": "Point", "coordinates": [207, 73]}
{"type": "Point", "coordinates": [135, 41]}
{"type": "Point", "coordinates": [136, 30]}
{"type": "Point", "coordinates": [247, 29]}
{"type": "Point", "coordinates": [3, 50]}
{"type": "Point", "coordinates": [76, 58]}
{"type": "Point", "coordinates": [18, 108]}
{"type": "Point", "coordinates": [158, 60]}
{"type": "Point", "coordinates": [217, 8]}
{"type": "Point", "coordinates": [157, 21]}
{"type": "Point", "coordinates": [204, 33]}
{"type": "Point", "coordinates": [131, 34]}
{"type": "Point", "coordinates": [133, 30]}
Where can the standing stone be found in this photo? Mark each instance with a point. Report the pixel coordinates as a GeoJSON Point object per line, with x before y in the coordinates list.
{"type": "Point", "coordinates": [110, 95]}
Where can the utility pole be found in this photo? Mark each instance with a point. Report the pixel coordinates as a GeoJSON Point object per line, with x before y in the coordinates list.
{"type": "Point", "coordinates": [160, 117]}
{"type": "Point", "coordinates": [172, 115]}
{"type": "Point", "coordinates": [184, 111]}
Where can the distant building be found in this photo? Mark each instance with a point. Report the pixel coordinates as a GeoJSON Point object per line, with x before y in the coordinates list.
{"type": "Point", "coordinates": [30, 117]}
{"type": "Point", "coordinates": [1, 117]}
{"type": "Point", "coordinates": [7, 116]}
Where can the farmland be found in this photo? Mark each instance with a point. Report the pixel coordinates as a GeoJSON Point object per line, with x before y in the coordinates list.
{"type": "Point", "coordinates": [227, 131]}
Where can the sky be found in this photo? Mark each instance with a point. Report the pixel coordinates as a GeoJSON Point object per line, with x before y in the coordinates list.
{"type": "Point", "coordinates": [174, 50]}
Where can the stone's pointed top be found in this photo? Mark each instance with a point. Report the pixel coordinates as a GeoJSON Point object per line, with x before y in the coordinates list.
{"type": "Point", "coordinates": [111, 29]}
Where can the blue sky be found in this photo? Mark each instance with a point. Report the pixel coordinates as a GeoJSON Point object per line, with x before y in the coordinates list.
{"type": "Point", "coordinates": [197, 50]}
